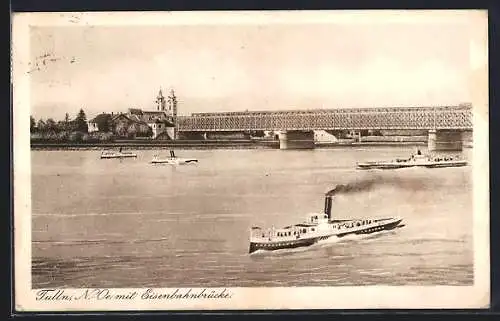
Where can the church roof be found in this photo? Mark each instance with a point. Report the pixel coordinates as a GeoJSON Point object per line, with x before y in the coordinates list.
{"type": "Point", "coordinates": [154, 112]}
{"type": "Point", "coordinates": [100, 117]}
{"type": "Point", "coordinates": [135, 111]}
{"type": "Point", "coordinates": [132, 118]}
{"type": "Point", "coordinates": [150, 116]}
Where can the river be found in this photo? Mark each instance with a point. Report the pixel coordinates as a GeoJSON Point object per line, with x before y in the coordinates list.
{"type": "Point", "coordinates": [127, 223]}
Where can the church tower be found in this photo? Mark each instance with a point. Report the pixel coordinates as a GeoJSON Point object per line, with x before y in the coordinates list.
{"type": "Point", "coordinates": [160, 101]}
{"type": "Point", "coordinates": [172, 110]}
{"type": "Point", "coordinates": [172, 104]}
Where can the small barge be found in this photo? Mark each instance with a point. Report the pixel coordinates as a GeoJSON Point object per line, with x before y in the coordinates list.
{"type": "Point", "coordinates": [172, 160]}
{"type": "Point", "coordinates": [117, 154]}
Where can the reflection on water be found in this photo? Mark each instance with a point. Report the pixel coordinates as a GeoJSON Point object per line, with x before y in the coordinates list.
{"type": "Point", "coordinates": [128, 223]}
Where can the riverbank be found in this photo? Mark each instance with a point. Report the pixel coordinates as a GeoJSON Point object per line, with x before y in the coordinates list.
{"type": "Point", "coordinates": [152, 145]}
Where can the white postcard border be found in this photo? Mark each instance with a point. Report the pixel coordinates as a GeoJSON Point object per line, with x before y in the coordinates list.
{"type": "Point", "coordinates": [362, 297]}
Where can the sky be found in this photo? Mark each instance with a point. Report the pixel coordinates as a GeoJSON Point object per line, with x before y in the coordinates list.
{"type": "Point", "coordinates": [248, 66]}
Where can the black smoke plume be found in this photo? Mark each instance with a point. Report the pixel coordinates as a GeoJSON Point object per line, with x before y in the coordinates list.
{"type": "Point", "coordinates": [368, 184]}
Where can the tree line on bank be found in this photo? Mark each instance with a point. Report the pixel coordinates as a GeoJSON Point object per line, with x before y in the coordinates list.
{"type": "Point", "coordinates": [77, 130]}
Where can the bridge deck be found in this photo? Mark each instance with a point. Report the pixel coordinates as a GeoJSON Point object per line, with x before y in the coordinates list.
{"type": "Point", "coordinates": [439, 117]}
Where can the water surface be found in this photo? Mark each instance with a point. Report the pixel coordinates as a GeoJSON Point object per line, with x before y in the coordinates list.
{"type": "Point", "coordinates": [127, 223]}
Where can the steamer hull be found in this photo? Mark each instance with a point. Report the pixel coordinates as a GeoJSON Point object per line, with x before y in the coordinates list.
{"type": "Point", "coordinates": [447, 164]}
{"type": "Point", "coordinates": [272, 246]}
{"type": "Point", "coordinates": [317, 227]}
{"type": "Point", "coordinates": [417, 160]}
{"type": "Point", "coordinates": [173, 161]}
{"type": "Point", "coordinates": [280, 239]}
{"type": "Point", "coordinates": [392, 165]}
{"type": "Point", "coordinates": [108, 155]}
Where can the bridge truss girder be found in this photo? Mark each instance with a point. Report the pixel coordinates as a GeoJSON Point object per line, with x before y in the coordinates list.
{"type": "Point", "coordinates": [453, 118]}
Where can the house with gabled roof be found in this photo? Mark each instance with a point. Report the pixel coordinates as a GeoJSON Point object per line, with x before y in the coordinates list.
{"type": "Point", "coordinates": [125, 125]}
{"type": "Point", "coordinates": [158, 121]}
{"type": "Point", "coordinates": [99, 121]}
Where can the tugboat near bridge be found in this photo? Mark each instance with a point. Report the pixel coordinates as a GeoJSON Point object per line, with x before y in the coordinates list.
{"type": "Point", "coordinates": [416, 160]}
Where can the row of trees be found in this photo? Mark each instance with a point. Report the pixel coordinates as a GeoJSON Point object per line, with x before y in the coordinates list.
{"type": "Point", "coordinates": [79, 124]}
{"type": "Point", "coordinates": [76, 130]}
{"type": "Point", "coordinates": [73, 130]}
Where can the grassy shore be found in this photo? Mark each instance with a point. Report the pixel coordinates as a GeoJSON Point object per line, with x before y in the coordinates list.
{"type": "Point", "coordinates": [220, 144]}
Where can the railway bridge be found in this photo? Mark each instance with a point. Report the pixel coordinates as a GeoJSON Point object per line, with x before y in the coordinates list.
{"type": "Point", "coordinates": [445, 124]}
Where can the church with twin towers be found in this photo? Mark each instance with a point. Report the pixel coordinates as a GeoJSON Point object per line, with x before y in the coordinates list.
{"type": "Point", "coordinates": [167, 104]}
{"type": "Point", "coordinates": [162, 120]}
{"type": "Point", "coordinates": [159, 121]}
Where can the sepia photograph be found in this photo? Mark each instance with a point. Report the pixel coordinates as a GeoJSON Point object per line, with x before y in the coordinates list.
{"type": "Point", "coordinates": [251, 160]}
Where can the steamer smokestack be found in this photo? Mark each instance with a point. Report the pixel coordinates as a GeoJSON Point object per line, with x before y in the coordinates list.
{"type": "Point", "coordinates": [328, 202]}
{"type": "Point", "coordinates": [328, 205]}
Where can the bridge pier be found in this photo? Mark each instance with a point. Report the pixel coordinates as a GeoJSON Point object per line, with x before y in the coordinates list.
{"type": "Point", "coordinates": [296, 139]}
{"type": "Point", "coordinates": [444, 140]}
{"type": "Point", "coordinates": [467, 139]}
